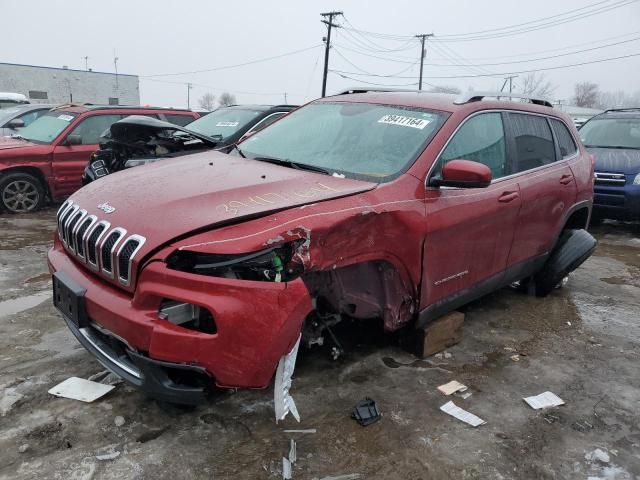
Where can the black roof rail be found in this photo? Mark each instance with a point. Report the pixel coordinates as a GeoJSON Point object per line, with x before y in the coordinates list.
{"type": "Point", "coordinates": [367, 90]}
{"type": "Point", "coordinates": [629, 109]}
{"type": "Point", "coordinates": [478, 96]}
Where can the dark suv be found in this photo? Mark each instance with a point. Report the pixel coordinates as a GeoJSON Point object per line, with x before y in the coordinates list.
{"type": "Point", "coordinates": [613, 138]}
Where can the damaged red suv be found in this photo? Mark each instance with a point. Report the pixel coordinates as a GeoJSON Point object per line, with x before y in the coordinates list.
{"type": "Point", "coordinates": [397, 206]}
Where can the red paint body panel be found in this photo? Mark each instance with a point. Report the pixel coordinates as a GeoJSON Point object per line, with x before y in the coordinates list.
{"type": "Point", "coordinates": [424, 243]}
{"type": "Point", "coordinates": [61, 166]}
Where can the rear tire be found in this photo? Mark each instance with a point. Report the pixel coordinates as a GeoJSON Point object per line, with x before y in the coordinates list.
{"type": "Point", "coordinates": [573, 248]}
{"type": "Point", "coordinates": [20, 193]}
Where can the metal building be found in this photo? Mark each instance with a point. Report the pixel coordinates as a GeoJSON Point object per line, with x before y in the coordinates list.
{"type": "Point", "coordinates": [64, 85]}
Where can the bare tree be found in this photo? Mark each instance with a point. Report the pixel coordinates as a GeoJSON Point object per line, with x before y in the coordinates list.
{"type": "Point", "coordinates": [227, 99]}
{"type": "Point", "coordinates": [618, 99]}
{"type": "Point", "coordinates": [445, 89]}
{"type": "Point", "coordinates": [586, 94]}
{"type": "Point", "coordinates": [207, 102]}
{"type": "Point", "coordinates": [538, 85]}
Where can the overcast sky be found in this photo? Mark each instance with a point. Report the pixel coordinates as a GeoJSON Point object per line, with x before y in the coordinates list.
{"type": "Point", "coordinates": [161, 36]}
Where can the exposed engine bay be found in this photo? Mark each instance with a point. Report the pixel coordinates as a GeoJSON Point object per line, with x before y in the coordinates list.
{"type": "Point", "coordinates": [137, 140]}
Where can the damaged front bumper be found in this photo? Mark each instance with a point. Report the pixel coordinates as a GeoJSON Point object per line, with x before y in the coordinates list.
{"type": "Point", "coordinates": [256, 323]}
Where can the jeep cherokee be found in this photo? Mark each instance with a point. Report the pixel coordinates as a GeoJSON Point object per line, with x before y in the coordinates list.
{"type": "Point", "coordinates": [393, 205]}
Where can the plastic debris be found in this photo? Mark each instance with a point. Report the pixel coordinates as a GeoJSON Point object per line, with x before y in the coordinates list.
{"type": "Point", "coordinates": [463, 395]}
{"type": "Point", "coordinates": [515, 358]}
{"type": "Point", "coordinates": [598, 455]}
{"type": "Point", "coordinates": [366, 412]}
{"type": "Point", "coordinates": [286, 469]}
{"type": "Point", "coordinates": [544, 400]}
{"type": "Point", "coordinates": [108, 456]}
{"type": "Point", "coordinates": [283, 402]}
{"type": "Point", "coordinates": [23, 448]}
{"type": "Point", "coordinates": [119, 421]}
{"type": "Point", "coordinates": [308, 430]}
{"type": "Point", "coordinates": [80, 389]}
{"type": "Point", "coordinates": [452, 409]}
{"type": "Point", "coordinates": [452, 387]}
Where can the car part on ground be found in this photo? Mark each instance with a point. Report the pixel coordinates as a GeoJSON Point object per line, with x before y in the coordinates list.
{"type": "Point", "coordinates": [334, 212]}
{"type": "Point", "coordinates": [136, 141]}
{"type": "Point", "coordinates": [366, 412]}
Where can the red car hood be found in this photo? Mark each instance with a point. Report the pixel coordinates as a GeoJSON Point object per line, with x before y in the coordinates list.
{"type": "Point", "coordinates": [8, 142]}
{"type": "Point", "coordinates": [171, 198]}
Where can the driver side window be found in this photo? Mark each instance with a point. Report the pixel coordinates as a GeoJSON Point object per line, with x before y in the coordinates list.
{"type": "Point", "coordinates": [480, 139]}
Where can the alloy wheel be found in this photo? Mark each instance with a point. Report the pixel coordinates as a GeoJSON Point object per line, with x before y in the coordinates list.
{"type": "Point", "coordinates": [20, 196]}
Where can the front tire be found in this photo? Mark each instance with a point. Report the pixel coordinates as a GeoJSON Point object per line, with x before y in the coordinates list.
{"type": "Point", "coordinates": [20, 193]}
{"type": "Point", "coordinates": [573, 248]}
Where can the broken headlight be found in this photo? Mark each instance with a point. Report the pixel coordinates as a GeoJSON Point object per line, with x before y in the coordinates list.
{"type": "Point", "coordinates": [276, 264]}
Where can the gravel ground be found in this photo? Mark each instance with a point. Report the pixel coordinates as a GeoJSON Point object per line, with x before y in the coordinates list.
{"type": "Point", "coordinates": [582, 343]}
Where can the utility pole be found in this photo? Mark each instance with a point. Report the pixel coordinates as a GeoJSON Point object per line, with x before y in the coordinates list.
{"type": "Point", "coordinates": [327, 40]}
{"type": "Point", "coordinates": [115, 66]}
{"type": "Point", "coordinates": [189, 87]}
{"type": "Point", "coordinates": [423, 37]}
{"type": "Point", "coordinates": [285, 98]}
{"type": "Point", "coordinates": [86, 63]}
{"type": "Point", "coordinates": [510, 81]}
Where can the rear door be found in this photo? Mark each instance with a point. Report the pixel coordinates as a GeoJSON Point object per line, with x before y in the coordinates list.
{"type": "Point", "coordinates": [547, 186]}
{"type": "Point", "coordinates": [69, 161]}
{"type": "Point", "coordinates": [470, 230]}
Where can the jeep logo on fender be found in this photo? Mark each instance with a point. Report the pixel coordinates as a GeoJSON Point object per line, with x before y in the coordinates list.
{"type": "Point", "coordinates": [106, 208]}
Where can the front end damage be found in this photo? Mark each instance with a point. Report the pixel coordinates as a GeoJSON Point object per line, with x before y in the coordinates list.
{"type": "Point", "coordinates": [137, 140]}
{"type": "Point", "coordinates": [226, 306]}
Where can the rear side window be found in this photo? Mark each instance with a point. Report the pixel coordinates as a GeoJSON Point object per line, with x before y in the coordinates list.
{"type": "Point", "coordinates": [565, 140]}
{"type": "Point", "coordinates": [533, 141]}
{"type": "Point", "coordinates": [480, 139]}
{"type": "Point", "coordinates": [91, 129]}
{"type": "Point", "coordinates": [181, 120]}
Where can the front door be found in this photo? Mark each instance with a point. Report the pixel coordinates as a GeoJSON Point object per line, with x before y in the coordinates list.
{"type": "Point", "coordinates": [69, 161]}
{"type": "Point", "coordinates": [470, 230]}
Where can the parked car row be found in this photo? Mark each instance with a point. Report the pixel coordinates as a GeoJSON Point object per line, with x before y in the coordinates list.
{"type": "Point", "coordinates": [210, 269]}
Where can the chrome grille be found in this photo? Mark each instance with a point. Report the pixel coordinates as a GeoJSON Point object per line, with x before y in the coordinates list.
{"type": "Point", "coordinates": [107, 250]}
{"type": "Point", "coordinates": [603, 178]}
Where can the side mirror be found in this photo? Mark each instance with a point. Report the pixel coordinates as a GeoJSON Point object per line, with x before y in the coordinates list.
{"type": "Point", "coordinates": [464, 174]}
{"type": "Point", "coordinates": [73, 140]}
{"type": "Point", "coordinates": [16, 123]}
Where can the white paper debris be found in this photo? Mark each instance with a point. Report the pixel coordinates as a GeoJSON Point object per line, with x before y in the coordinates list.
{"type": "Point", "coordinates": [286, 469]}
{"type": "Point", "coordinates": [293, 456]}
{"type": "Point", "coordinates": [598, 455]}
{"type": "Point", "coordinates": [283, 402]}
{"type": "Point", "coordinates": [455, 411]}
{"type": "Point", "coordinates": [308, 430]}
{"type": "Point", "coordinates": [544, 400]}
{"type": "Point", "coordinates": [80, 389]}
{"type": "Point", "coordinates": [452, 387]}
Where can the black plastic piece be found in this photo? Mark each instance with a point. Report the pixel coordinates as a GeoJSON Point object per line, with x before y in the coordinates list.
{"type": "Point", "coordinates": [366, 412]}
{"type": "Point", "coordinates": [68, 298]}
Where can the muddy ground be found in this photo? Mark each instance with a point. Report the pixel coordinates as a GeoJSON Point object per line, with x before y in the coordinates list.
{"type": "Point", "coordinates": [581, 343]}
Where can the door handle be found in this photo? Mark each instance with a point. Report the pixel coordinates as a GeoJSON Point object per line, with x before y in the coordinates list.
{"type": "Point", "coordinates": [508, 197]}
{"type": "Point", "coordinates": [566, 179]}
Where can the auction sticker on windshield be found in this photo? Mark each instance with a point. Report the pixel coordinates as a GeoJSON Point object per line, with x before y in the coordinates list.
{"type": "Point", "coordinates": [403, 121]}
{"type": "Point", "coordinates": [66, 118]}
{"type": "Point", "coordinates": [227, 124]}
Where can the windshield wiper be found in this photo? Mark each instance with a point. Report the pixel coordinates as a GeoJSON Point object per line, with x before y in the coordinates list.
{"type": "Point", "coordinates": [19, 137]}
{"type": "Point", "coordinates": [283, 162]}
{"type": "Point", "coordinates": [236, 148]}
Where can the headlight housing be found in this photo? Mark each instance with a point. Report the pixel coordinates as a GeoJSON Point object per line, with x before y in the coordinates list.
{"type": "Point", "coordinates": [275, 264]}
{"type": "Point", "coordinates": [636, 181]}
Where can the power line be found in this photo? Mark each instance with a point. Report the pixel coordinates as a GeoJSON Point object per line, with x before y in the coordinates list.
{"type": "Point", "coordinates": [503, 74]}
{"type": "Point", "coordinates": [369, 73]}
{"type": "Point", "coordinates": [214, 69]}
{"type": "Point", "coordinates": [340, 74]}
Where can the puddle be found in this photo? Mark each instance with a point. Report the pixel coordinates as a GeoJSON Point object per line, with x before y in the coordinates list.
{"type": "Point", "coordinates": [20, 304]}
